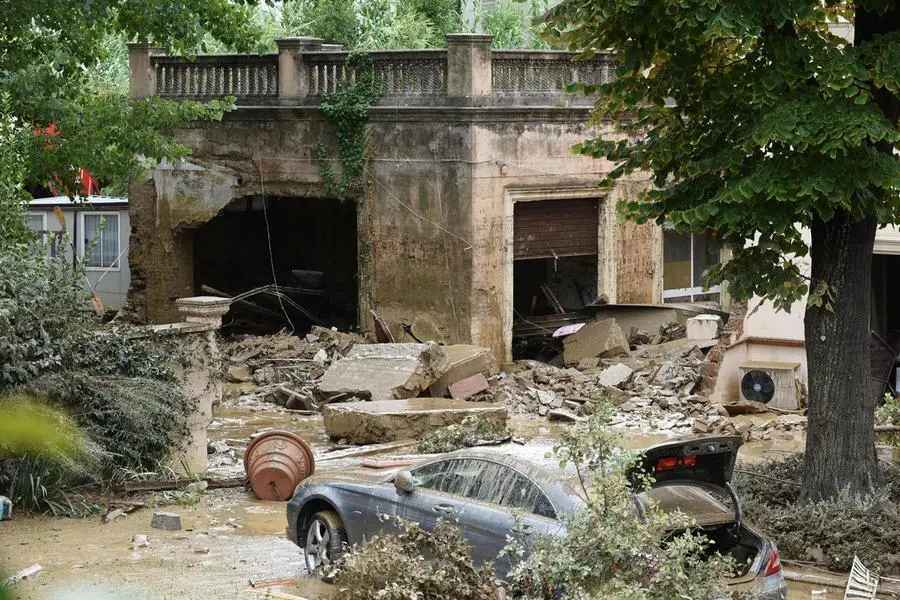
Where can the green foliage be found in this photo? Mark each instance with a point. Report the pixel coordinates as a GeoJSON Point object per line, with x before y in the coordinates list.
{"type": "Point", "coordinates": [28, 426]}
{"type": "Point", "coordinates": [831, 531]}
{"type": "Point", "coordinates": [136, 421]}
{"type": "Point", "coordinates": [393, 567]}
{"type": "Point", "coordinates": [608, 551]}
{"type": "Point", "coordinates": [364, 25]}
{"type": "Point", "coordinates": [889, 414]}
{"type": "Point", "coordinates": [119, 388]}
{"type": "Point", "coordinates": [42, 313]}
{"type": "Point", "coordinates": [515, 24]}
{"type": "Point", "coordinates": [13, 139]}
{"type": "Point", "coordinates": [73, 77]}
{"type": "Point", "coordinates": [465, 434]}
{"type": "Point", "coordinates": [347, 111]}
{"type": "Point", "coordinates": [752, 119]}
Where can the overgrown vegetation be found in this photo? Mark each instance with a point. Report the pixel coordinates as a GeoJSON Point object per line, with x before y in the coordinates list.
{"type": "Point", "coordinates": [119, 389]}
{"type": "Point", "coordinates": [347, 110]}
{"type": "Point", "coordinates": [608, 551]}
{"type": "Point", "coordinates": [889, 414]}
{"type": "Point", "coordinates": [394, 567]}
{"type": "Point", "coordinates": [828, 532]}
{"type": "Point", "coordinates": [467, 433]}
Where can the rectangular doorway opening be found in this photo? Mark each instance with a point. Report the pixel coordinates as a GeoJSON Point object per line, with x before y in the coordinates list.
{"type": "Point", "coordinates": [313, 245]}
{"type": "Point", "coordinates": [555, 271]}
{"type": "Point", "coordinates": [884, 322]}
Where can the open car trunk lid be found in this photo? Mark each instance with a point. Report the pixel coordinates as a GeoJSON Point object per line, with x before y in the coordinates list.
{"type": "Point", "coordinates": [704, 460]}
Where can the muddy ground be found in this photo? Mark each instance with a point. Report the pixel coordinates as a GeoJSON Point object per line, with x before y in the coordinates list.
{"type": "Point", "coordinates": [228, 538]}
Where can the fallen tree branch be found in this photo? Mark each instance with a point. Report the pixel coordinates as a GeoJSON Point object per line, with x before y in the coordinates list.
{"type": "Point", "coordinates": [161, 485]}
{"type": "Point", "coordinates": [769, 477]}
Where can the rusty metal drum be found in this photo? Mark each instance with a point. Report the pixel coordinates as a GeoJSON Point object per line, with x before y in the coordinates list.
{"type": "Point", "coordinates": [275, 462]}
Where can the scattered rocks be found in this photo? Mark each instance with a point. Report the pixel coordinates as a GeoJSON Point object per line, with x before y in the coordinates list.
{"type": "Point", "coordinates": [166, 520]}
{"type": "Point", "coordinates": [140, 541]}
{"type": "Point", "coordinates": [615, 375]}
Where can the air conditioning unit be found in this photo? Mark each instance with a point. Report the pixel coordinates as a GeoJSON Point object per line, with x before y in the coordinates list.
{"type": "Point", "coordinates": [772, 383]}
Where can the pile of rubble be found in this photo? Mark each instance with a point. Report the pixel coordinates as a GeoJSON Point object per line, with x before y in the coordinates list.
{"type": "Point", "coordinates": [283, 369]}
{"type": "Point", "coordinates": [652, 381]}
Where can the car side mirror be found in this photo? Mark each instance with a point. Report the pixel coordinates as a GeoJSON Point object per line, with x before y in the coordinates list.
{"type": "Point", "coordinates": [404, 482]}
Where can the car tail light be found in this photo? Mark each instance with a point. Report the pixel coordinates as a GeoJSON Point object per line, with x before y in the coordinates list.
{"type": "Point", "coordinates": [674, 462]}
{"type": "Point", "coordinates": [773, 567]}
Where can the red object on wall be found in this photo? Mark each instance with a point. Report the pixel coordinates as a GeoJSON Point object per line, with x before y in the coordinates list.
{"type": "Point", "coordinates": [90, 185]}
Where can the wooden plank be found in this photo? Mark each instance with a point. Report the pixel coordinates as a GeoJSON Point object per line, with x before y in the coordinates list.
{"type": "Point", "coordinates": [636, 263]}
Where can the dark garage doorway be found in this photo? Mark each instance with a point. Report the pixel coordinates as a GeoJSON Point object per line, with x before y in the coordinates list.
{"type": "Point", "coordinates": [313, 250]}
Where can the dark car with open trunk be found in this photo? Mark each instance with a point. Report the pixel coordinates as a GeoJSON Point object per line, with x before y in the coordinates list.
{"type": "Point", "coordinates": [493, 493]}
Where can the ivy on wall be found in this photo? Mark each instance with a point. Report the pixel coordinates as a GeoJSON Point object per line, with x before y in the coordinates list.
{"type": "Point", "coordinates": [348, 111]}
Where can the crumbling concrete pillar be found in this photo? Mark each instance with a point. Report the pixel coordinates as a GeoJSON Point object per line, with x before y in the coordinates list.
{"type": "Point", "coordinates": [293, 74]}
{"type": "Point", "coordinates": [141, 74]}
{"type": "Point", "coordinates": [469, 74]}
{"type": "Point", "coordinates": [203, 317]}
{"type": "Point", "coordinates": [207, 310]}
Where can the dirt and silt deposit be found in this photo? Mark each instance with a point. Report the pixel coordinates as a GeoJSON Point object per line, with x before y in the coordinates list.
{"type": "Point", "coordinates": [228, 537]}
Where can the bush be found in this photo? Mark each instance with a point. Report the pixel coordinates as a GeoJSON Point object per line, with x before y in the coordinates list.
{"type": "Point", "coordinates": [394, 567]}
{"type": "Point", "coordinates": [608, 551]}
{"type": "Point", "coordinates": [829, 532]}
{"type": "Point", "coordinates": [136, 421]}
{"type": "Point", "coordinates": [119, 388]}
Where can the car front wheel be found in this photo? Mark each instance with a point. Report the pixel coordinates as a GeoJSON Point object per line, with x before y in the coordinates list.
{"type": "Point", "coordinates": [324, 541]}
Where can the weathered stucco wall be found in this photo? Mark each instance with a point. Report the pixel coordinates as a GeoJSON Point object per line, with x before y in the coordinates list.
{"type": "Point", "coordinates": [432, 228]}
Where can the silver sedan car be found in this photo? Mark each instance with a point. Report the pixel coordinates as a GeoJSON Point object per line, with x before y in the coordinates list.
{"type": "Point", "coordinates": [493, 494]}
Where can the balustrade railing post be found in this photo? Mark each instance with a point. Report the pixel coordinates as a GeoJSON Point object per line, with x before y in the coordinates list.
{"type": "Point", "coordinates": [293, 73]}
{"type": "Point", "coordinates": [141, 73]}
{"type": "Point", "coordinates": [469, 66]}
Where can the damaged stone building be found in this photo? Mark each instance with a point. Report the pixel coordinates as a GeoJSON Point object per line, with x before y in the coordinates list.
{"type": "Point", "coordinates": [477, 222]}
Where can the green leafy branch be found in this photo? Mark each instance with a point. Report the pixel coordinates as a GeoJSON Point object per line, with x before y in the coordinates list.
{"type": "Point", "coordinates": [348, 111]}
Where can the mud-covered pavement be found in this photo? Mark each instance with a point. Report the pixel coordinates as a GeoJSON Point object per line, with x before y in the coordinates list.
{"type": "Point", "coordinates": [227, 538]}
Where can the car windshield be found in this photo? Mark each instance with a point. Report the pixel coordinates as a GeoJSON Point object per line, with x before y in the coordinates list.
{"type": "Point", "coordinates": [704, 506]}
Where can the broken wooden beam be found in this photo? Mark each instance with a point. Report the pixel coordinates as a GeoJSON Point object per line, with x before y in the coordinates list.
{"type": "Point", "coordinates": [161, 485]}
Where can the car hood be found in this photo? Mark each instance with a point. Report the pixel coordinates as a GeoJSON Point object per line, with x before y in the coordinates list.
{"type": "Point", "coordinates": [701, 460]}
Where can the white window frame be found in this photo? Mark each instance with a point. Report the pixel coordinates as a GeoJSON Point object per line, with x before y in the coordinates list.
{"type": "Point", "coordinates": [117, 265]}
{"type": "Point", "coordinates": [43, 216]}
{"type": "Point", "coordinates": [689, 291]}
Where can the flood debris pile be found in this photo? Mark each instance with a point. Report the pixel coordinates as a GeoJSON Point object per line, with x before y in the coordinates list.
{"type": "Point", "coordinates": [475, 430]}
{"type": "Point", "coordinates": [284, 369]}
{"type": "Point", "coordinates": [654, 383]}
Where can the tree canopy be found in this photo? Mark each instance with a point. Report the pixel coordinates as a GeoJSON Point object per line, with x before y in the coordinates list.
{"type": "Point", "coordinates": [755, 122]}
{"type": "Point", "coordinates": [757, 118]}
{"type": "Point", "coordinates": [61, 107]}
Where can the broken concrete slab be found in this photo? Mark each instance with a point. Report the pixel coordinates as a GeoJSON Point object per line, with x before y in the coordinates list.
{"type": "Point", "coordinates": [464, 360]}
{"type": "Point", "coordinates": [615, 375]}
{"type": "Point", "coordinates": [604, 339]}
{"type": "Point", "coordinates": [468, 387]}
{"type": "Point", "coordinates": [389, 420]}
{"type": "Point", "coordinates": [703, 327]}
{"type": "Point", "coordinates": [384, 371]}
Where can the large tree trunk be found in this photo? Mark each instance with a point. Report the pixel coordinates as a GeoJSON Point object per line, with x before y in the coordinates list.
{"type": "Point", "coordinates": [840, 443]}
